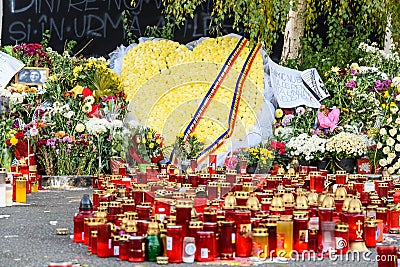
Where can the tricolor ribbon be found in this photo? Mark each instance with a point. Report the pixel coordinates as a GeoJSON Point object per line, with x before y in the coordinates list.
{"type": "Point", "coordinates": [211, 92]}
{"type": "Point", "coordinates": [234, 106]}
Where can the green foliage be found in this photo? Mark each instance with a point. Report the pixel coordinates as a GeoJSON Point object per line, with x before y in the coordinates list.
{"type": "Point", "coordinates": [347, 24]}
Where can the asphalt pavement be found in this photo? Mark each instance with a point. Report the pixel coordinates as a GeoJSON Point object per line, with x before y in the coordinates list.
{"type": "Point", "coordinates": [29, 238]}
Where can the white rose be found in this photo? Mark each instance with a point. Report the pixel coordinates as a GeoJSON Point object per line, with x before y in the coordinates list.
{"type": "Point", "coordinates": [389, 120]}
{"type": "Point", "coordinates": [392, 156]}
{"type": "Point", "coordinates": [383, 131]}
{"type": "Point", "coordinates": [398, 98]}
{"type": "Point", "coordinates": [391, 170]}
{"type": "Point", "coordinates": [393, 131]}
{"type": "Point", "coordinates": [396, 165]}
{"type": "Point", "coordinates": [382, 162]}
{"type": "Point", "coordinates": [397, 147]}
{"type": "Point", "coordinates": [379, 145]}
{"type": "Point", "coordinates": [397, 121]}
{"type": "Point", "coordinates": [390, 141]}
{"type": "Point", "coordinates": [386, 150]}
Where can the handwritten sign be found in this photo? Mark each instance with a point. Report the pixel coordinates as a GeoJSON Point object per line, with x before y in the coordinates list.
{"type": "Point", "coordinates": [100, 21]}
{"type": "Point", "coordinates": [289, 90]}
{"type": "Point", "coordinates": [9, 66]}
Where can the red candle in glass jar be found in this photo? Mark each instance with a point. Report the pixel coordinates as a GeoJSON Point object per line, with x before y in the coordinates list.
{"type": "Point", "coordinates": [205, 249]}
{"type": "Point", "coordinates": [243, 233]}
{"type": "Point", "coordinates": [92, 247]}
{"type": "Point", "coordinates": [142, 226]}
{"type": "Point", "coordinates": [342, 238]}
{"type": "Point", "coordinates": [212, 227]}
{"type": "Point", "coordinates": [136, 249]}
{"type": "Point", "coordinates": [383, 189]}
{"type": "Point", "coordinates": [387, 256]}
{"type": "Point", "coordinates": [124, 248]}
{"type": "Point", "coordinates": [96, 197]}
{"type": "Point", "coordinates": [128, 206]}
{"type": "Point", "coordinates": [315, 181]}
{"type": "Point", "coordinates": [341, 177]}
{"type": "Point", "coordinates": [143, 212]}
{"type": "Point", "coordinates": [300, 231]}
{"type": "Point", "coordinates": [174, 243]}
{"type": "Point", "coordinates": [394, 215]}
{"type": "Point", "coordinates": [114, 208]}
{"type": "Point", "coordinates": [381, 214]}
{"type": "Point", "coordinates": [194, 227]}
{"type": "Point", "coordinates": [271, 226]}
{"type": "Point", "coordinates": [370, 233]}
{"type": "Point", "coordinates": [304, 170]}
{"type": "Point", "coordinates": [183, 214]}
{"type": "Point", "coordinates": [313, 240]}
{"type": "Point", "coordinates": [210, 215]}
{"type": "Point", "coordinates": [227, 239]}
{"type": "Point", "coordinates": [325, 214]}
{"type": "Point", "coordinates": [122, 170]}
{"type": "Point", "coordinates": [104, 241]}
{"type": "Point", "coordinates": [356, 226]}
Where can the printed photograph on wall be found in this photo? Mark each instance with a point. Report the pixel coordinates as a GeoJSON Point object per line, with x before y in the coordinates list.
{"type": "Point", "coordinates": [32, 76]}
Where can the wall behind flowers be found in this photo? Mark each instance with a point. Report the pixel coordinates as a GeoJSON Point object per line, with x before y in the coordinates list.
{"type": "Point", "coordinates": [100, 21]}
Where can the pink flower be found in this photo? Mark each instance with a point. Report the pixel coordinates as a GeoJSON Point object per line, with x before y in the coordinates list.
{"type": "Point", "coordinates": [33, 131]}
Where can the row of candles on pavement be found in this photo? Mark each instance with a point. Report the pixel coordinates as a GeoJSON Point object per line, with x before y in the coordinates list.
{"type": "Point", "coordinates": [14, 186]}
{"type": "Point", "coordinates": [292, 220]}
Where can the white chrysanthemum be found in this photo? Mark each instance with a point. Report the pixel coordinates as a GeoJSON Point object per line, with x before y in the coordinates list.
{"type": "Point", "coordinates": [97, 126]}
{"type": "Point", "coordinates": [117, 124]}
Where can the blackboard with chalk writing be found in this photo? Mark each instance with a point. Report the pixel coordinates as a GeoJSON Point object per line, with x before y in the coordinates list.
{"type": "Point", "coordinates": [96, 20]}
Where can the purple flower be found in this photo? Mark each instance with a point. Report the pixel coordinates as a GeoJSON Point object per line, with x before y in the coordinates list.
{"type": "Point", "coordinates": [287, 119]}
{"type": "Point", "coordinates": [378, 85]}
{"type": "Point", "coordinates": [351, 84]}
{"type": "Point", "coordinates": [69, 150]}
{"type": "Point", "coordinates": [15, 125]}
{"type": "Point", "coordinates": [57, 151]}
{"type": "Point", "coordinates": [353, 71]}
{"type": "Point", "coordinates": [68, 123]}
{"type": "Point", "coordinates": [109, 138]}
{"type": "Point", "coordinates": [387, 83]}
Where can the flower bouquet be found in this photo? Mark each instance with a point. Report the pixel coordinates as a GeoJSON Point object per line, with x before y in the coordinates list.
{"type": "Point", "coordinates": [345, 148]}
{"type": "Point", "coordinates": [146, 145]}
{"type": "Point", "coordinates": [188, 150]}
{"type": "Point", "coordinates": [307, 147]}
{"type": "Point", "coordinates": [259, 157]}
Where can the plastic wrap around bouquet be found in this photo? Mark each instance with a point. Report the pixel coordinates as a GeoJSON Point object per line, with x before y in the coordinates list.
{"type": "Point", "coordinates": [213, 88]}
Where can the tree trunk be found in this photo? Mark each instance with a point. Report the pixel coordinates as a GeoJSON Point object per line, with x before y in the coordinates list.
{"type": "Point", "coordinates": [388, 35]}
{"type": "Point", "coordinates": [294, 31]}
